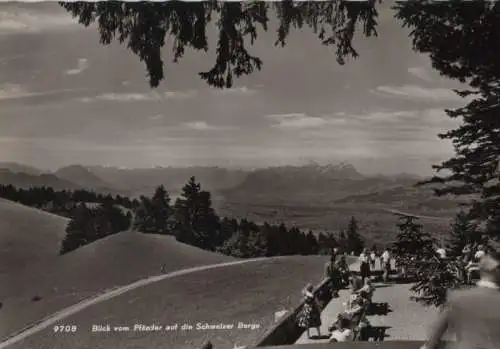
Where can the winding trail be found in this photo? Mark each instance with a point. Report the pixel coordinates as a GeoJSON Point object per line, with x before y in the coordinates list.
{"type": "Point", "coordinates": [71, 310]}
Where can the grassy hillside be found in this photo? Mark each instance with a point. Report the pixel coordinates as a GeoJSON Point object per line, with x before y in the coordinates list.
{"type": "Point", "coordinates": [27, 237]}
{"type": "Point", "coordinates": [23, 180]}
{"type": "Point", "coordinates": [249, 293]}
{"type": "Point", "coordinates": [15, 167]}
{"type": "Point", "coordinates": [107, 263]}
{"type": "Point", "coordinates": [82, 177]}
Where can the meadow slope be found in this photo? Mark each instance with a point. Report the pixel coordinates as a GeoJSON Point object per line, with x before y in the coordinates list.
{"type": "Point", "coordinates": [27, 237]}
{"type": "Point", "coordinates": [105, 264]}
{"type": "Point", "coordinates": [249, 293]}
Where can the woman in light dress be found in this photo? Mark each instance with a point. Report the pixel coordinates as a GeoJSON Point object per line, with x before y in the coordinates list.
{"type": "Point", "coordinates": [310, 314]}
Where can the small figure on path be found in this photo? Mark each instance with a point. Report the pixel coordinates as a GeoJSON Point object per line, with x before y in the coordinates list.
{"type": "Point", "coordinates": [473, 314]}
{"type": "Point", "coordinates": [310, 314]}
{"type": "Point", "coordinates": [364, 265]}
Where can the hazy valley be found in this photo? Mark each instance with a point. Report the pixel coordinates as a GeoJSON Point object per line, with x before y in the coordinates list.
{"type": "Point", "coordinates": [316, 197]}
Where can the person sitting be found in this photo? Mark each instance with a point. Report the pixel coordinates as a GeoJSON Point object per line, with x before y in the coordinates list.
{"type": "Point", "coordinates": [479, 253]}
{"type": "Point", "coordinates": [344, 269]}
{"type": "Point", "coordinates": [367, 291]}
{"type": "Point", "coordinates": [342, 332]}
{"type": "Point", "coordinates": [354, 308]}
{"type": "Point", "coordinates": [472, 268]}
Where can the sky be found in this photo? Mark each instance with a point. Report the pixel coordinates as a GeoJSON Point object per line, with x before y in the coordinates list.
{"type": "Point", "coordinates": [66, 99]}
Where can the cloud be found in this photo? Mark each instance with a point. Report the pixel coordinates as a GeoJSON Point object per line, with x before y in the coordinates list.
{"type": "Point", "coordinates": [301, 121]}
{"type": "Point", "coordinates": [241, 90]}
{"type": "Point", "coordinates": [421, 73]}
{"type": "Point", "coordinates": [140, 96]}
{"type": "Point", "coordinates": [204, 126]}
{"type": "Point", "coordinates": [129, 97]}
{"type": "Point", "coordinates": [81, 67]}
{"type": "Point", "coordinates": [15, 91]}
{"type": "Point", "coordinates": [418, 92]}
{"type": "Point", "coordinates": [16, 20]}
{"type": "Point", "coordinates": [180, 94]}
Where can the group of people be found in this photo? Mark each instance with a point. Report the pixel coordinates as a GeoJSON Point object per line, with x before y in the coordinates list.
{"type": "Point", "coordinates": [361, 291]}
{"type": "Point", "coordinates": [368, 261]}
{"type": "Point", "coordinates": [338, 272]}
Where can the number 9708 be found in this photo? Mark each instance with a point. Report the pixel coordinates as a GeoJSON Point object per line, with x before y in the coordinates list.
{"type": "Point", "coordinates": [64, 329]}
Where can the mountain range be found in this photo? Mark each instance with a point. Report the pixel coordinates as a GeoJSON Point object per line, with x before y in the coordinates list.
{"type": "Point", "coordinates": [285, 193]}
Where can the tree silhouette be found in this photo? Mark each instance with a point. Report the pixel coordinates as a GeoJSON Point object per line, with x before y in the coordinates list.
{"type": "Point", "coordinates": [463, 232]}
{"type": "Point", "coordinates": [78, 230]}
{"type": "Point", "coordinates": [161, 210]}
{"type": "Point", "coordinates": [143, 26]}
{"type": "Point", "coordinates": [411, 239]}
{"type": "Point", "coordinates": [196, 222]}
{"type": "Point", "coordinates": [353, 240]}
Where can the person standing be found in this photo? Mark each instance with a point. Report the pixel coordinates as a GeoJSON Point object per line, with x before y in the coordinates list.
{"type": "Point", "coordinates": [332, 272]}
{"type": "Point", "coordinates": [441, 251]}
{"type": "Point", "coordinates": [310, 314]}
{"type": "Point", "coordinates": [364, 266]}
{"type": "Point", "coordinates": [386, 264]}
{"type": "Point", "coordinates": [373, 259]}
{"type": "Point", "coordinates": [473, 314]}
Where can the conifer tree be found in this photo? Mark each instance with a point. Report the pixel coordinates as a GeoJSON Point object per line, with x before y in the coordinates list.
{"type": "Point", "coordinates": [353, 240]}
{"type": "Point", "coordinates": [463, 232]}
{"type": "Point", "coordinates": [411, 239]}
{"type": "Point", "coordinates": [78, 230]}
{"type": "Point", "coordinates": [196, 222]}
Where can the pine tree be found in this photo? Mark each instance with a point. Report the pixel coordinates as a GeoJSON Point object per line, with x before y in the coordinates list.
{"type": "Point", "coordinates": [77, 230]}
{"type": "Point", "coordinates": [196, 222]}
{"type": "Point", "coordinates": [463, 232]}
{"type": "Point", "coordinates": [312, 243]}
{"type": "Point", "coordinates": [143, 218]}
{"type": "Point", "coordinates": [354, 242]}
{"type": "Point", "coordinates": [327, 21]}
{"type": "Point", "coordinates": [161, 211]}
{"type": "Point", "coordinates": [411, 239]}
{"type": "Point", "coordinates": [342, 241]}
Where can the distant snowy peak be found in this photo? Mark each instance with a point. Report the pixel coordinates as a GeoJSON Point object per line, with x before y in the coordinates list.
{"type": "Point", "coordinates": [343, 170]}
